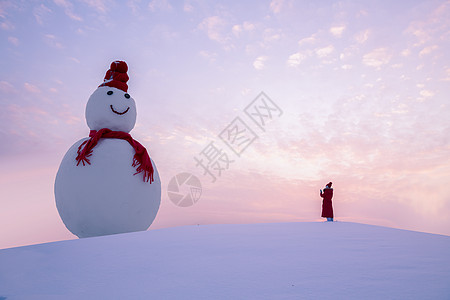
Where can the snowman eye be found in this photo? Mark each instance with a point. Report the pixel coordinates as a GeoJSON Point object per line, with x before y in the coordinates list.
{"type": "Point", "coordinates": [109, 92]}
{"type": "Point", "coordinates": [127, 96]}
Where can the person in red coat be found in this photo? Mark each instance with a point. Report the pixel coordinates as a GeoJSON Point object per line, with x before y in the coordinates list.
{"type": "Point", "coordinates": [327, 206]}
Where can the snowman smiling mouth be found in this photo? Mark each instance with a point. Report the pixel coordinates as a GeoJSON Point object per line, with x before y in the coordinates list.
{"type": "Point", "coordinates": [119, 113]}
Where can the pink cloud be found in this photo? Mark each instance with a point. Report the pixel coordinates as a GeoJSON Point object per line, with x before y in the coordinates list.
{"type": "Point", "coordinates": [13, 40]}
{"type": "Point", "coordinates": [68, 9]}
{"type": "Point", "coordinates": [214, 27]}
{"type": "Point", "coordinates": [6, 87]}
{"type": "Point", "coordinates": [31, 88]}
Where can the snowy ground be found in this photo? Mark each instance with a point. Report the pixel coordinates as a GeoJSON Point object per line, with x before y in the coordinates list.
{"type": "Point", "coordinates": [259, 261]}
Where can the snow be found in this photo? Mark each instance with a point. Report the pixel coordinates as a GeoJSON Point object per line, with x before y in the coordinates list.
{"type": "Point", "coordinates": [100, 113]}
{"type": "Point", "coordinates": [105, 197]}
{"type": "Point", "coordinates": [259, 261]}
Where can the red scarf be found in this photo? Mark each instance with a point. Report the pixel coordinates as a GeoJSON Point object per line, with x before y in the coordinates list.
{"type": "Point", "coordinates": [141, 159]}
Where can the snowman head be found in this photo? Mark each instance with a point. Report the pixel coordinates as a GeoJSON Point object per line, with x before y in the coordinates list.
{"type": "Point", "coordinates": [110, 106]}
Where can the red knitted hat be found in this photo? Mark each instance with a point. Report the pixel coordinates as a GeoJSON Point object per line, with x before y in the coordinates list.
{"type": "Point", "coordinates": [117, 76]}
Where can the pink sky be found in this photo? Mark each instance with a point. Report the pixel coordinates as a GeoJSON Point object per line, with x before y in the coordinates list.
{"type": "Point", "coordinates": [364, 89]}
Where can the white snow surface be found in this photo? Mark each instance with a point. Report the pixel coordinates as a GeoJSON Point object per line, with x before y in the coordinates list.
{"type": "Point", "coordinates": [319, 260]}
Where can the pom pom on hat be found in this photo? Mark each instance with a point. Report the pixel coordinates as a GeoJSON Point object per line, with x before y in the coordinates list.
{"type": "Point", "coordinates": [117, 76]}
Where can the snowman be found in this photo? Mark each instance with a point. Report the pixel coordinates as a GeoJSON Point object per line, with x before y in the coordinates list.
{"type": "Point", "coordinates": [107, 183]}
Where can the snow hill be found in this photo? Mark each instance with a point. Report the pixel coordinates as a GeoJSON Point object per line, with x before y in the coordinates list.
{"type": "Point", "coordinates": [259, 261]}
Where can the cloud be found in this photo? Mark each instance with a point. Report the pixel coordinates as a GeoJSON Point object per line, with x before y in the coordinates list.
{"type": "Point", "coordinates": [165, 32]}
{"type": "Point", "coordinates": [159, 5]}
{"type": "Point", "coordinates": [434, 27]}
{"type": "Point", "coordinates": [6, 26]}
{"type": "Point", "coordinates": [239, 28]}
{"type": "Point", "coordinates": [259, 62]}
{"type": "Point", "coordinates": [362, 13]}
{"type": "Point", "coordinates": [377, 58]}
{"type": "Point", "coordinates": [276, 6]}
{"type": "Point", "coordinates": [447, 75]}
{"type": "Point", "coordinates": [428, 50]}
{"type": "Point", "coordinates": [362, 36]}
{"type": "Point", "coordinates": [75, 60]}
{"type": "Point", "coordinates": [349, 52]}
{"type": "Point", "coordinates": [296, 59]}
{"type": "Point", "coordinates": [188, 8]}
{"type": "Point", "coordinates": [325, 51]}
{"type": "Point", "coordinates": [52, 41]}
{"type": "Point", "coordinates": [401, 109]}
{"type": "Point", "coordinates": [6, 87]}
{"type": "Point", "coordinates": [134, 5]}
{"type": "Point", "coordinates": [68, 9]}
{"type": "Point", "coordinates": [248, 26]}
{"type": "Point", "coordinates": [4, 5]}
{"type": "Point", "coordinates": [13, 40]}
{"type": "Point", "coordinates": [271, 35]}
{"type": "Point", "coordinates": [2, 10]}
{"type": "Point", "coordinates": [421, 35]}
{"type": "Point", "coordinates": [211, 57]}
{"type": "Point", "coordinates": [405, 52]}
{"type": "Point", "coordinates": [31, 88]}
{"type": "Point", "coordinates": [40, 13]}
{"type": "Point", "coordinates": [98, 5]}
{"type": "Point", "coordinates": [337, 31]}
{"type": "Point", "coordinates": [246, 91]}
{"type": "Point", "coordinates": [309, 40]}
{"type": "Point", "coordinates": [214, 26]}
{"type": "Point", "coordinates": [426, 93]}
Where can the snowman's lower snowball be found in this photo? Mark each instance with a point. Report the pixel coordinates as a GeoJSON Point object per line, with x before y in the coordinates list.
{"type": "Point", "coordinates": [105, 197]}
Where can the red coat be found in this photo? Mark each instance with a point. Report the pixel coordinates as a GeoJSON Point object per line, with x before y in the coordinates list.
{"type": "Point", "coordinates": [327, 206]}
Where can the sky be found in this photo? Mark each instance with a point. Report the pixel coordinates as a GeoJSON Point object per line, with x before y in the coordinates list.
{"type": "Point", "coordinates": [356, 92]}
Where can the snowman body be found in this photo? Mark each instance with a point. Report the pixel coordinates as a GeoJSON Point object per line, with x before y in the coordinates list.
{"type": "Point", "coordinates": [106, 196]}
